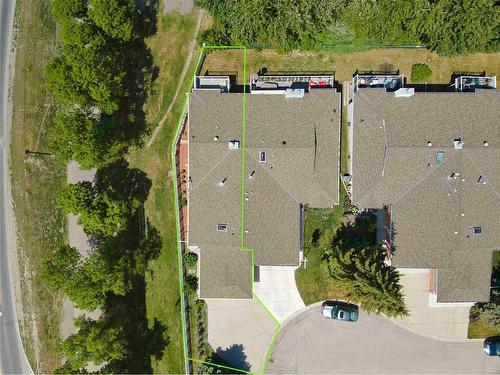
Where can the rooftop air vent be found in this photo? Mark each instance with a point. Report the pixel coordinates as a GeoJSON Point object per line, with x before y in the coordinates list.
{"type": "Point", "coordinates": [485, 144]}
{"type": "Point", "coordinates": [458, 144]}
{"type": "Point", "coordinates": [429, 143]}
{"type": "Point", "coordinates": [234, 144]}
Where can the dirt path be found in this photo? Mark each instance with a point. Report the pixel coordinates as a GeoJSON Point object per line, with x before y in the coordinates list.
{"type": "Point", "coordinates": [185, 69]}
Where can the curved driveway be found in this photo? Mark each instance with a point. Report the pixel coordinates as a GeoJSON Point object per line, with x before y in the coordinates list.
{"type": "Point", "coordinates": [310, 343]}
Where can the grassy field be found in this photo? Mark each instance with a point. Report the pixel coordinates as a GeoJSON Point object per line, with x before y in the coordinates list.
{"type": "Point", "coordinates": [344, 65]}
{"type": "Point", "coordinates": [35, 180]}
{"type": "Point", "coordinates": [478, 328]}
{"type": "Point", "coordinates": [313, 282]}
{"type": "Point", "coordinates": [170, 48]}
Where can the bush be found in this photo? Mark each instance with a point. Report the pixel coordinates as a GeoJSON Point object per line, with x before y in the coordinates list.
{"type": "Point", "coordinates": [420, 73]}
{"type": "Point", "coordinates": [190, 259]}
{"type": "Point", "coordinates": [214, 37]}
{"type": "Point", "coordinates": [190, 284]}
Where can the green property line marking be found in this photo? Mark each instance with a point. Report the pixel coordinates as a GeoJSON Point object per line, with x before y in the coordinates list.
{"type": "Point", "coordinates": [271, 347]}
{"type": "Point", "coordinates": [177, 226]}
{"type": "Point", "coordinates": [242, 247]}
{"type": "Point", "coordinates": [221, 366]}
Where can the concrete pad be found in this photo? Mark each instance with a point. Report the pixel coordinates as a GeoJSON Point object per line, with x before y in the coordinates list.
{"type": "Point", "coordinates": [450, 321]}
{"type": "Point", "coordinates": [181, 6]}
{"type": "Point", "coordinates": [276, 288]}
{"type": "Point", "coordinates": [240, 331]}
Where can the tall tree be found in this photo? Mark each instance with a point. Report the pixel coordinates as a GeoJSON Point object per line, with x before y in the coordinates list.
{"type": "Point", "coordinates": [92, 142]}
{"type": "Point", "coordinates": [87, 282]}
{"type": "Point", "coordinates": [462, 26]}
{"type": "Point", "coordinates": [94, 342]}
{"type": "Point", "coordinates": [99, 214]}
{"type": "Point", "coordinates": [363, 277]}
{"type": "Point", "coordinates": [114, 17]}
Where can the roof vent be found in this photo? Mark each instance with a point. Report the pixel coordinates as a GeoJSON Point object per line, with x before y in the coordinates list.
{"type": "Point", "coordinates": [223, 181]}
{"type": "Point", "coordinates": [458, 144]}
{"type": "Point", "coordinates": [252, 174]}
{"type": "Point", "coordinates": [429, 143]}
{"type": "Point", "coordinates": [295, 93]}
{"type": "Point", "coordinates": [485, 144]}
{"type": "Point", "coordinates": [481, 180]}
{"type": "Point", "coordinates": [216, 138]}
{"type": "Point", "coordinates": [234, 144]}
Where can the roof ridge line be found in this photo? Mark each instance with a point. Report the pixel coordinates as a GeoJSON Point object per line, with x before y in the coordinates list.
{"type": "Point", "coordinates": [479, 170]}
{"type": "Point", "coordinates": [210, 172]}
{"type": "Point", "coordinates": [281, 186]}
{"type": "Point", "coordinates": [435, 168]}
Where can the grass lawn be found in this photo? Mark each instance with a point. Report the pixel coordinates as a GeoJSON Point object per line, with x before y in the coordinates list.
{"type": "Point", "coordinates": [35, 180]}
{"type": "Point", "coordinates": [313, 282]}
{"type": "Point", "coordinates": [478, 328]}
{"type": "Point", "coordinates": [170, 48]}
{"type": "Point", "coordinates": [344, 65]}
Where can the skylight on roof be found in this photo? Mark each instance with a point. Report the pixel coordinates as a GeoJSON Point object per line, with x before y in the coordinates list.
{"type": "Point", "coordinates": [476, 230]}
{"type": "Point", "coordinates": [262, 156]}
{"type": "Point", "coordinates": [221, 227]}
{"type": "Point", "coordinates": [440, 157]}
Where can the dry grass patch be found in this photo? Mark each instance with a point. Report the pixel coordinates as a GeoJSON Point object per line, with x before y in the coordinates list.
{"type": "Point", "coordinates": [344, 65]}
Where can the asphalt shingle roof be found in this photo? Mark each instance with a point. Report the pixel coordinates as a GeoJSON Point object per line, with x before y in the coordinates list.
{"type": "Point", "coordinates": [301, 139]}
{"type": "Point", "coordinates": [434, 206]}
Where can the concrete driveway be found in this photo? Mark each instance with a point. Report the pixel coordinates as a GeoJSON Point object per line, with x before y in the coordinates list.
{"type": "Point", "coordinates": [276, 288]}
{"type": "Point", "coordinates": [310, 343]}
{"type": "Point", "coordinates": [444, 320]}
{"type": "Point", "coordinates": [240, 331]}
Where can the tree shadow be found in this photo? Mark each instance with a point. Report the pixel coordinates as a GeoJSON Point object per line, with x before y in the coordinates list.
{"type": "Point", "coordinates": [360, 234]}
{"type": "Point", "coordinates": [123, 182]}
{"type": "Point", "coordinates": [140, 73]}
{"type": "Point", "coordinates": [235, 356]}
{"type": "Point", "coordinates": [141, 339]}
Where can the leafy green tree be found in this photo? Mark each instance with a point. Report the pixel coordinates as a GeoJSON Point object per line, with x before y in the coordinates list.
{"type": "Point", "coordinates": [114, 17]}
{"type": "Point", "coordinates": [456, 27]}
{"type": "Point", "coordinates": [491, 314]}
{"type": "Point", "coordinates": [364, 278]}
{"type": "Point", "coordinates": [214, 36]}
{"type": "Point", "coordinates": [65, 9]}
{"type": "Point", "coordinates": [386, 21]}
{"type": "Point", "coordinates": [94, 342]}
{"type": "Point", "coordinates": [91, 142]}
{"type": "Point", "coordinates": [87, 281]}
{"type": "Point", "coordinates": [420, 72]}
{"type": "Point", "coordinates": [99, 214]}
{"type": "Point", "coordinates": [283, 24]}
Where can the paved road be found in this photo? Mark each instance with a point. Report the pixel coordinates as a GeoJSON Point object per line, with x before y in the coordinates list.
{"type": "Point", "coordinates": [12, 357]}
{"type": "Point", "coordinates": [310, 343]}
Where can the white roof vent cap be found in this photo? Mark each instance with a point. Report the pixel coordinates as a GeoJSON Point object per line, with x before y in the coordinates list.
{"type": "Point", "coordinates": [458, 144]}
{"type": "Point", "coordinates": [429, 143]}
{"type": "Point", "coordinates": [485, 144]}
{"type": "Point", "coordinates": [234, 144]}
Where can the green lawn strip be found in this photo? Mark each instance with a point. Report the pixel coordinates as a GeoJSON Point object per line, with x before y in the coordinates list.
{"type": "Point", "coordinates": [169, 46]}
{"type": "Point", "coordinates": [162, 287]}
{"type": "Point", "coordinates": [478, 328]}
{"type": "Point", "coordinates": [35, 181]}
